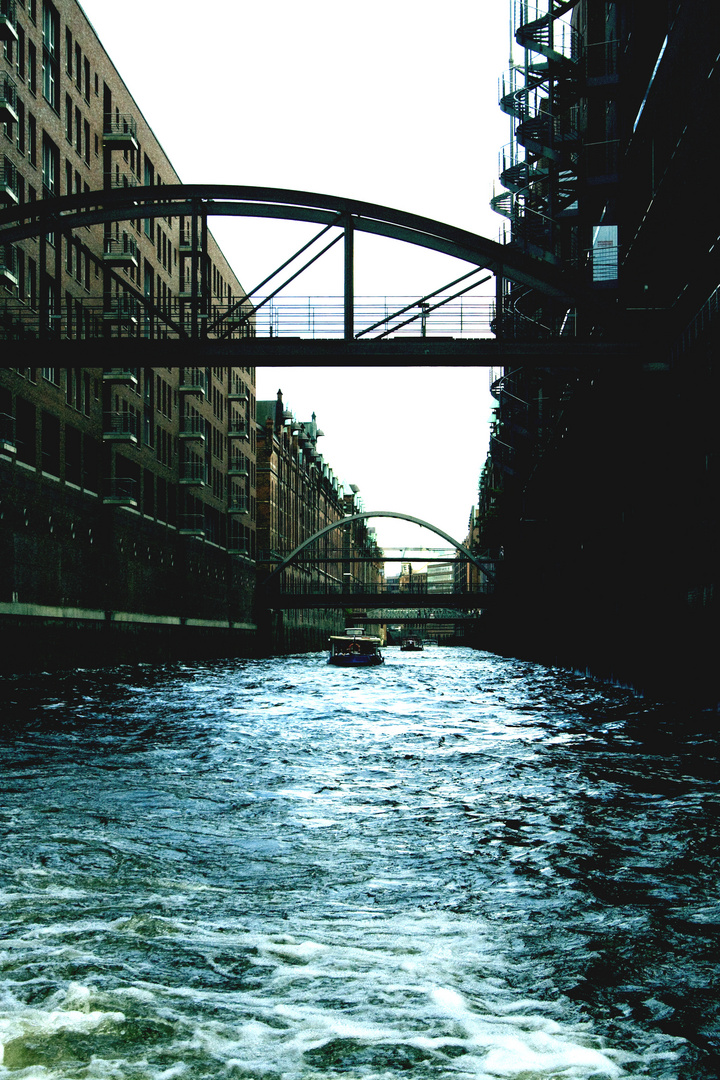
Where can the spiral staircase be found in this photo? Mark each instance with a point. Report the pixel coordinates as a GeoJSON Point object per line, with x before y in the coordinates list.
{"type": "Point", "coordinates": [539, 169]}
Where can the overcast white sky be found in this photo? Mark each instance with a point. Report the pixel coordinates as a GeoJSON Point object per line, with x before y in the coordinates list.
{"type": "Point", "coordinates": [390, 101]}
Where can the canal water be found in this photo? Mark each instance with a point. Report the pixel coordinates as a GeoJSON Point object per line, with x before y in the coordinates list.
{"type": "Point", "coordinates": [454, 866]}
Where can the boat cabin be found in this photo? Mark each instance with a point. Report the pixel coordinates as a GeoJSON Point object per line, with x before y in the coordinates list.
{"type": "Point", "coordinates": [354, 650]}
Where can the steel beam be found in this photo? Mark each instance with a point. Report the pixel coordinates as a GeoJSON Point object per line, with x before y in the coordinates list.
{"type": "Point", "coordinates": [329, 352]}
{"type": "Point", "coordinates": [174, 200]}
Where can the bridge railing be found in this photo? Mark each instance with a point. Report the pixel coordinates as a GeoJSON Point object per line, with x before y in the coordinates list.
{"type": "Point", "coordinates": [360, 588]}
{"type": "Point", "coordinates": [129, 316]}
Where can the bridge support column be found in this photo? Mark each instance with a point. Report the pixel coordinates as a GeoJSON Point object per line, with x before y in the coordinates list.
{"type": "Point", "coordinates": [349, 307]}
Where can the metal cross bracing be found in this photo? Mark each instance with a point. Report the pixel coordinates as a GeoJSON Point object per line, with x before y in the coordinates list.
{"type": "Point", "coordinates": [447, 321]}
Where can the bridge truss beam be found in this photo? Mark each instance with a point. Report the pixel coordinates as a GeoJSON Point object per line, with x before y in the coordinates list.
{"type": "Point", "coordinates": [198, 202]}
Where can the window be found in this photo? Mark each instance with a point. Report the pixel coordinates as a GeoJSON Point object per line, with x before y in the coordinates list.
{"type": "Point", "coordinates": [51, 26]}
{"type": "Point", "coordinates": [20, 64]}
{"type": "Point", "coordinates": [32, 67]}
{"type": "Point", "coordinates": [50, 443]}
{"type": "Point", "coordinates": [68, 52]}
{"type": "Point", "coordinates": [50, 162]}
{"type": "Point", "coordinates": [68, 118]}
{"type": "Point", "coordinates": [20, 139]}
{"type": "Point", "coordinates": [73, 444]}
{"type": "Point", "coordinates": [32, 140]}
{"type": "Point", "coordinates": [25, 421]}
{"type": "Point", "coordinates": [86, 79]}
{"type": "Point", "coordinates": [32, 284]}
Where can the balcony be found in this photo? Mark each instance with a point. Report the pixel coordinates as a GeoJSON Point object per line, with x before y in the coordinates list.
{"type": "Point", "coordinates": [118, 183]}
{"type": "Point", "coordinates": [8, 100]}
{"type": "Point", "coordinates": [121, 377]}
{"type": "Point", "coordinates": [192, 525]}
{"type": "Point", "coordinates": [238, 467]}
{"type": "Point", "coordinates": [185, 244]}
{"type": "Point", "coordinates": [8, 265]}
{"type": "Point", "coordinates": [120, 427]}
{"type": "Point", "coordinates": [238, 429]}
{"type": "Point", "coordinates": [193, 381]}
{"type": "Point", "coordinates": [7, 434]}
{"type": "Point", "coordinates": [121, 251]}
{"type": "Point", "coordinates": [121, 134]}
{"type": "Point", "coordinates": [120, 491]}
{"type": "Point", "coordinates": [8, 21]}
{"type": "Point", "coordinates": [238, 391]}
{"type": "Point", "coordinates": [239, 504]}
{"type": "Point", "coordinates": [192, 427]}
{"type": "Point", "coordinates": [193, 473]}
{"type": "Point", "coordinates": [239, 547]}
{"type": "Point", "coordinates": [122, 311]}
{"type": "Point", "coordinates": [8, 183]}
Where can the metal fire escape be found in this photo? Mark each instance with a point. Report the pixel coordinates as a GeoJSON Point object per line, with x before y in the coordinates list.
{"type": "Point", "coordinates": [539, 167]}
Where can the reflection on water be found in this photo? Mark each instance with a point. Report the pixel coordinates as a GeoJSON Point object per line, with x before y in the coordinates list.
{"type": "Point", "coordinates": [456, 865]}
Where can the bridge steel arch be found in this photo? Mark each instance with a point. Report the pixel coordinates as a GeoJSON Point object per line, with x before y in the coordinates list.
{"type": "Point", "coordinates": [376, 514]}
{"type": "Point", "coordinates": [71, 212]}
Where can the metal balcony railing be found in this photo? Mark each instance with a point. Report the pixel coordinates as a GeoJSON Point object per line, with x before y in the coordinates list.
{"type": "Point", "coordinates": [193, 471]}
{"type": "Point", "coordinates": [8, 19]}
{"type": "Point", "coordinates": [192, 427]}
{"type": "Point", "coordinates": [238, 466]}
{"type": "Point", "coordinates": [193, 381]}
{"type": "Point", "coordinates": [121, 132]}
{"type": "Point", "coordinates": [120, 427]}
{"type": "Point", "coordinates": [238, 429]}
{"type": "Point", "coordinates": [8, 182]}
{"type": "Point", "coordinates": [8, 100]}
{"type": "Point", "coordinates": [7, 434]}
{"type": "Point", "coordinates": [239, 504]}
{"type": "Point", "coordinates": [191, 525]}
{"type": "Point", "coordinates": [127, 376]}
{"type": "Point", "coordinates": [122, 249]}
{"type": "Point", "coordinates": [8, 264]}
{"type": "Point", "coordinates": [120, 491]}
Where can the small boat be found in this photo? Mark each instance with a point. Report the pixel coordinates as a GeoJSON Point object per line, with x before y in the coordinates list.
{"type": "Point", "coordinates": [412, 644]}
{"type": "Point", "coordinates": [353, 649]}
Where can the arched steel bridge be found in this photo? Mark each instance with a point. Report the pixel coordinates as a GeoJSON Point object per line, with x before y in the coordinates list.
{"type": "Point", "coordinates": [334, 593]}
{"type": "Point", "coordinates": [226, 333]}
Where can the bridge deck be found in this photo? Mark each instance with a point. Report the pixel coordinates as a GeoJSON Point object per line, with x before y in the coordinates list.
{"type": "Point", "coordinates": [328, 352]}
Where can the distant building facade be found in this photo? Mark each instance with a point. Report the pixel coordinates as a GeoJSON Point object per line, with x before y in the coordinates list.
{"type": "Point", "coordinates": [298, 496]}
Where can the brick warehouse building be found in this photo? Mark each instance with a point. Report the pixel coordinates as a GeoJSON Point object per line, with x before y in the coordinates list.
{"type": "Point", "coordinates": [128, 494]}
{"type": "Point", "coordinates": [600, 493]}
{"type": "Point", "coordinates": [298, 495]}
{"type": "Point", "coordinates": [127, 505]}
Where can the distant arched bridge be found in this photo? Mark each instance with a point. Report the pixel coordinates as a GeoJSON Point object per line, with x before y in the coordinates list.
{"type": "Point", "coordinates": [333, 592]}
{"type": "Point", "coordinates": [172, 333]}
